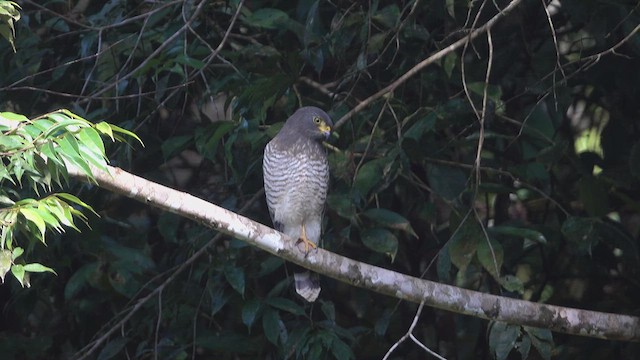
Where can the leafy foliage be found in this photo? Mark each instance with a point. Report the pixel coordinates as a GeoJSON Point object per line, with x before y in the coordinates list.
{"type": "Point", "coordinates": [40, 150]}
{"type": "Point", "coordinates": [522, 182]}
{"type": "Point", "coordinates": [9, 14]}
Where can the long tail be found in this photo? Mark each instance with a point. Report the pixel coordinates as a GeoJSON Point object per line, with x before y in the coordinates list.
{"type": "Point", "coordinates": [307, 285]}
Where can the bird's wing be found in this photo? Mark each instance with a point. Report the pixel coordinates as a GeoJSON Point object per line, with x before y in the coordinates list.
{"type": "Point", "coordinates": [273, 195]}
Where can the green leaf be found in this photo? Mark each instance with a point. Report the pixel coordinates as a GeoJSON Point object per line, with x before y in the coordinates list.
{"type": "Point", "coordinates": [464, 243]}
{"type": "Point", "coordinates": [93, 157]}
{"type": "Point", "coordinates": [61, 211]}
{"type": "Point", "coordinates": [92, 140]}
{"type": "Point", "coordinates": [269, 265]}
{"type": "Point", "coordinates": [388, 16]}
{"type": "Point", "coordinates": [581, 234]}
{"type": "Point", "coordinates": [512, 283]}
{"type": "Point", "coordinates": [494, 92]}
{"type": "Point", "coordinates": [17, 251]}
{"type": "Point", "coordinates": [123, 281]}
{"type": "Point", "coordinates": [69, 149]}
{"type": "Point", "coordinates": [542, 340]}
{"type": "Point", "coordinates": [9, 116]}
{"type": "Point", "coordinates": [376, 42]}
{"type": "Point", "coordinates": [524, 347]}
{"type": "Point", "coordinates": [421, 126]}
{"type": "Point", "coordinates": [5, 200]}
{"type": "Point", "coordinates": [112, 348]}
{"type": "Point", "coordinates": [315, 349]}
{"type": "Point", "coordinates": [48, 217]}
{"type": "Point", "coordinates": [8, 32]}
{"type": "Point", "coordinates": [341, 350]}
{"type": "Point", "coordinates": [189, 61]}
{"type": "Point", "coordinates": [207, 141]}
{"type": "Point", "coordinates": [250, 311]}
{"type": "Point", "coordinates": [519, 232]}
{"type": "Point", "coordinates": [36, 219]}
{"type": "Point", "coordinates": [18, 272]}
{"type": "Point", "coordinates": [5, 263]}
{"type": "Point", "coordinates": [271, 325]}
{"type": "Point", "coordinates": [126, 132]}
{"type": "Point", "coordinates": [105, 129]}
{"type": "Point", "coordinates": [267, 18]}
{"type": "Point", "coordinates": [369, 175]}
{"type": "Point", "coordinates": [35, 267]}
{"type": "Point", "coordinates": [450, 62]}
{"type": "Point", "coordinates": [175, 145]}
{"type": "Point", "coordinates": [6, 234]}
{"type": "Point", "coordinates": [235, 277]}
{"type": "Point", "coordinates": [546, 293]}
{"type": "Point", "coordinates": [11, 142]}
{"type": "Point", "coordinates": [450, 6]}
{"type": "Point", "coordinates": [491, 255]}
{"type": "Point", "coordinates": [74, 199]}
{"type": "Point", "coordinates": [380, 240]}
{"type": "Point", "coordinates": [17, 163]}
{"type": "Point", "coordinates": [78, 280]}
{"type": "Point", "coordinates": [61, 125]}
{"type": "Point", "coordinates": [342, 205]}
{"type": "Point", "coordinates": [286, 305]}
{"type": "Point", "coordinates": [390, 220]}
{"type": "Point", "coordinates": [329, 310]}
{"type": "Point", "coordinates": [502, 339]}
{"type": "Point", "coordinates": [296, 340]}
{"type": "Point", "coordinates": [52, 156]}
{"type": "Point", "coordinates": [130, 259]}
{"type": "Point", "coordinates": [448, 182]}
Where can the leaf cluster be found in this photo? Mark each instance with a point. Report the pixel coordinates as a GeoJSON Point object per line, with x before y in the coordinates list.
{"type": "Point", "coordinates": [9, 14]}
{"type": "Point", "coordinates": [39, 151]}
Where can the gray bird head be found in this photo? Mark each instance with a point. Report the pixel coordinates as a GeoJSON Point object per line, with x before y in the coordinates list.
{"type": "Point", "coordinates": [307, 122]}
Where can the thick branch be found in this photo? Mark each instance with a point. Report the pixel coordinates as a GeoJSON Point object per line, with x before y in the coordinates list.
{"type": "Point", "coordinates": [446, 297]}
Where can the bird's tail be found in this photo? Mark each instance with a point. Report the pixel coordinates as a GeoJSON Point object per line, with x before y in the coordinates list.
{"type": "Point", "coordinates": [307, 285]}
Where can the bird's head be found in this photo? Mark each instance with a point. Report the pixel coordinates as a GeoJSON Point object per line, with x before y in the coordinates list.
{"type": "Point", "coordinates": [311, 122]}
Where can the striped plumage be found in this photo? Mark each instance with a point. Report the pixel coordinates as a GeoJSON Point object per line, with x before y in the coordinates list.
{"type": "Point", "coordinates": [296, 180]}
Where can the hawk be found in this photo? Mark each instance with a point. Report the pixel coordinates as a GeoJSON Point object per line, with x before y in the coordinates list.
{"type": "Point", "coordinates": [296, 180]}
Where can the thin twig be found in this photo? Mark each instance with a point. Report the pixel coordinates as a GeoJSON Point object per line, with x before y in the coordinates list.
{"type": "Point", "coordinates": [207, 61]}
{"type": "Point", "coordinates": [409, 334]}
{"type": "Point", "coordinates": [426, 62]}
{"type": "Point", "coordinates": [156, 52]}
{"type": "Point", "coordinates": [158, 322]}
{"type": "Point", "coordinates": [555, 44]}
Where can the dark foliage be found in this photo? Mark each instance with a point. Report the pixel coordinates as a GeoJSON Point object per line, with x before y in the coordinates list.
{"type": "Point", "coordinates": [551, 214]}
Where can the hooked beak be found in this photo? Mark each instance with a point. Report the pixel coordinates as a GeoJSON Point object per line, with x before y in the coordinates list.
{"type": "Point", "coordinates": [326, 130]}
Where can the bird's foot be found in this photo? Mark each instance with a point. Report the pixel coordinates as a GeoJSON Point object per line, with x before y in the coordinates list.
{"type": "Point", "coordinates": [308, 244]}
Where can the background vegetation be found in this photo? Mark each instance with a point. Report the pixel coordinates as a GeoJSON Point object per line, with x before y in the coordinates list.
{"type": "Point", "coordinates": [510, 166]}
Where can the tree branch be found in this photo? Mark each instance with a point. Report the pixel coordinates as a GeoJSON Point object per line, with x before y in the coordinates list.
{"type": "Point", "coordinates": [428, 61]}
{"type": "Point", "coordinates": [441, 296]}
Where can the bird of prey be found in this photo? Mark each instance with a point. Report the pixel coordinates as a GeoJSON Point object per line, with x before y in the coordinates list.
{"type": "Point", "coordinates": [296, 180]}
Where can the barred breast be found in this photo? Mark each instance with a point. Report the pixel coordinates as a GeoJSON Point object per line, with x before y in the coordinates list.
{"type": "Point", "coordinates": [296, 180]}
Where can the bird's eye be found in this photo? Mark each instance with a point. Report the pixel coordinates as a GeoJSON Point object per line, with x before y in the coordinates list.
{"type": "Point", "coordinates": [316, 120]}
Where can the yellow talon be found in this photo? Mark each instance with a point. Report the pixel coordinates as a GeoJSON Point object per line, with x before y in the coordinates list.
{"type": "Point", "coordinates": [307, 243]}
